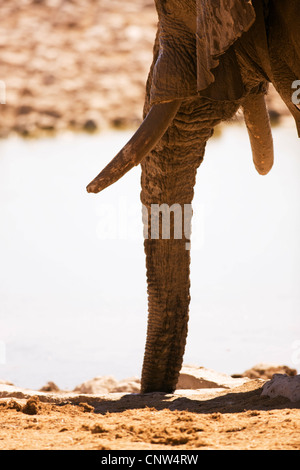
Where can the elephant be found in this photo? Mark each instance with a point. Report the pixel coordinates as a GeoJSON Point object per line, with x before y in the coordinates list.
{"type": "Point", "coordinates": [211, 58]}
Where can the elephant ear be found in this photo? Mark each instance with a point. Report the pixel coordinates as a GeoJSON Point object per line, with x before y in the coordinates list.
{"type": "Point", "coordinates": [203, 63]}
{"type": "Point", "coordinates": [219, 24]}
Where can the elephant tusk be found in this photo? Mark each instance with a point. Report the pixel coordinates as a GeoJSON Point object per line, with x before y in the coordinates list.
{"type": "Point", "coordinates": [138, 147]}
{"type": "Point", "coordinates": [260, 133]}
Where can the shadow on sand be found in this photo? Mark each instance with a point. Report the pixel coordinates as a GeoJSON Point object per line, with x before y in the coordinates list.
{"type": "Point", "coordinates": [228, 401]}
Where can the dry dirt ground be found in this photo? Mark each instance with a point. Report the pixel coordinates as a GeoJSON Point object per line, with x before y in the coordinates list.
{"type": "Point", "coordinates": [239, 419]}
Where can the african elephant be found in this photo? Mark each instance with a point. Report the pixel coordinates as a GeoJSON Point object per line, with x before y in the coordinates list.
{"type": "Point", "coordinates": [210, 58]}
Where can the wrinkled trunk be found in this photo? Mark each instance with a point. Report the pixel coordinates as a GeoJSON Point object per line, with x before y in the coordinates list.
{"type": "Point", "coordinates": [168, 177]}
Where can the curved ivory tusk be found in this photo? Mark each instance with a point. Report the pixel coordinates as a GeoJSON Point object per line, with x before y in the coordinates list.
{"type": "Point", "coordinates": [260, 133]}
{"type": "Point", "coordinates": [138, 147]}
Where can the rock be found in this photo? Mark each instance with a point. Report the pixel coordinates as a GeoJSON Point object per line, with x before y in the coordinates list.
{"type": "Point", "coordinates": [108, 384]}
{"type": "Point", "coordinates": [193, 378]}
{"type": "Point", "coordinates": [130, 385]}
{"type": "Point", "coordinates": [90, 125]}
{"type": "Point", "coordinates": [24, 109]}
{"type": "Point", "coordinates": [284, 386]}
{"type": "Point", "coordinates": [274, 116]}
{"type": "Point", "coordinates": [32, 406]}
{"type": "Point", "coordinates": [50, 387]}
{"type": "Point", "coordinates": [5, 382]}
{"type": "Point", "coordinates": [266, 371]}
{"type": "Point", "coordinates": [98, 385]}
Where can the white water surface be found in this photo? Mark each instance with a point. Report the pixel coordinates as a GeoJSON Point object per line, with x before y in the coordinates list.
{"type": "Point", "coordinates": [73, 299]}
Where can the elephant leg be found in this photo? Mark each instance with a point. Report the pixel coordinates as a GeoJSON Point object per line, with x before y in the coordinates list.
{"type": "Point", "coordinates": [168, 177]}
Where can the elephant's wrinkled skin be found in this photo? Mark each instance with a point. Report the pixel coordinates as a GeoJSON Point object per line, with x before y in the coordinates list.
{"type": "Point", "coordinates": [211, 57]}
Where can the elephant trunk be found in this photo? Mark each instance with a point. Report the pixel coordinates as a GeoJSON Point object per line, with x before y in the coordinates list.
{"type": "Point", "coordinates": [168, 293]}
{"type": "Point", "coordinates": [260, 134]}
{"type": "Point", "coordinates": [143, 141]}
{"type": "Point", "coordinates": [168, 178]}
{"type": "Point", "coordinates": [166, 185]}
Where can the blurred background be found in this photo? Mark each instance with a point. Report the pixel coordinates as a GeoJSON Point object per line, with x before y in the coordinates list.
{"type": "Point", "coordinates": [74, 64]}
{"type": "Point", "coordinates": [72, 271]}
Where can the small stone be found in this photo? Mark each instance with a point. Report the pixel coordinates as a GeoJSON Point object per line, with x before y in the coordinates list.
{"type": "Point", "coordinates": [32, 406]}
{"type": "Point", "coordinates": [98, 385]}
{"type": "Point", "coordinates": [50, 387]}
{"type": "Point", "coordinates": [86, 408]}
{"type": "Point", "coordinates": [282, 385]}
{"type": "Point", "coordinates": [24, 109]}
{"type": "Point", "coordinates": [266, 371]}
{"type": "Point", "coordinates": [90, 125]}
{"type": "Point", "coordinates": [194, 378]}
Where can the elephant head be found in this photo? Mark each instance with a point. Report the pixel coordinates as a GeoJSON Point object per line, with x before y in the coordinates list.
{"type": "Point", "coordinates": [210, 58]}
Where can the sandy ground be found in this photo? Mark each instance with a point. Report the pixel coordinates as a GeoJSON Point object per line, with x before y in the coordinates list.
{"type": "Point", "coordinates": [235, 418]}
{"type": "Point", "coordinates": [239, 420]}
